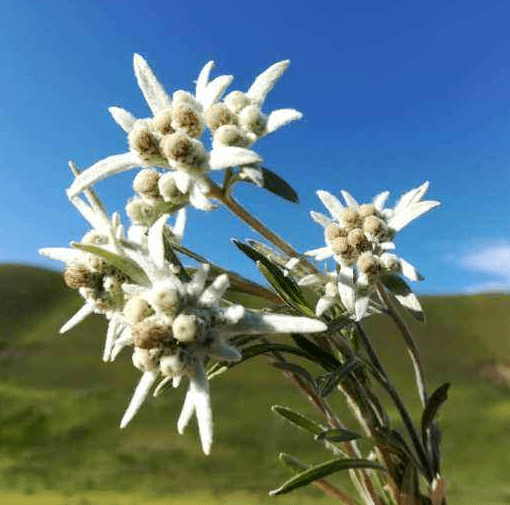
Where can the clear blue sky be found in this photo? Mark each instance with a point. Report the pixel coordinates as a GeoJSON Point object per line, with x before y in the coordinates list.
{"type": "Point", "coordinates": [393, 93]}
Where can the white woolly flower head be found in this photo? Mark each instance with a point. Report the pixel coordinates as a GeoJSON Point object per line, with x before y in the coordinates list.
{"type": "Point", "coordinates": [171, 139]}
{"type": "Point", "coordinates": [359, 236]}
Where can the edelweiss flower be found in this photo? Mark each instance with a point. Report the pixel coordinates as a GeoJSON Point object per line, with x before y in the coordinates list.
{"type": "Point", "coordinates": [170, 138]}
{"type": "Point", "coordinates": [359, 237]}
{"type": "Point", "coordinates": [176, 326]}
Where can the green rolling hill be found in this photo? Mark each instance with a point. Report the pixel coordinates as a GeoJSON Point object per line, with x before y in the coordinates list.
{"type": "Point", "coordinates": [60, 406]}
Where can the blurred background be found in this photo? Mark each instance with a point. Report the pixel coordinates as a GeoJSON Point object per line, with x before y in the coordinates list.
{"type": "Point", "coordinates": [393, 94]}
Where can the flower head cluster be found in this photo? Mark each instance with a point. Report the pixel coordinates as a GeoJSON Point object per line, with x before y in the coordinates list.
{"type": "Point", "coordinates": [171, 138]}
{"type": "Point", "coordinates": [359, 237]}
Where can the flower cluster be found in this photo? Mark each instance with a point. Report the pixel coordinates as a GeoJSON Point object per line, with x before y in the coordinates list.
{"type": "Point", "coordinates": [359, 237]}
{"type": "Point", "coordinates": [171, 139]}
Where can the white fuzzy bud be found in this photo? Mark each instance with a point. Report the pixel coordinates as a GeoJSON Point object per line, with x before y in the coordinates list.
{"type": "Point", "coordinates": [171, 365]}
{"type": "Point", "coordinates": [146, 183]}
{"type": "Point", "coordinates": [165, 299]}
{"type": "Point", "coordinates": [231, 135]}
{"type": "Point", "coordinates": [181, 97]}
{"type": "Point", "coordinates": [252, 119]}
{"type": "Point", "coordinates": [141, 211]}
{"type": "Point", "coordinates": [169, 190]}
{"type": "Point", "coordinates": [145, 360]}
{"type": "Point", "coordinates": [236, 101]}
{"type": "Point", "coordinates": [186, 153]}
{"type": "Point", "coordinates": [218, 115]}
{"type": "Point", "coordinates": [369, 264]}
{"type": "Point", "coordinates": [162, 122]}
{"type": "Point", "coordinates": [185, 327]}
{"type": "Point", "coordinates": [144, 143]}
{"type": "Point", "coordinates": [187, 119]}
{"type": "Point", "coordinates": [136, 309]}
{"type": "Point", "coordinates": [350, 218]}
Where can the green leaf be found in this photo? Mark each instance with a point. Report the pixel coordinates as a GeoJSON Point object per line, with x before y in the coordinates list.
{"type": "Point", "coordinates": [337, 435]}
{"type": "Point", "coordinates": [338, 375]}
{"type": "Point", "coordinates": [298, 419]}
{"type": "Point", "coordinates": [292, 461]}
{"type": "Point", "coordinates": [438, 397]}
{"type": "Point", "coordinates": [323, 470]}
{"type": "Point", "coordinates": [328, 362]}
{"type": "Point", "coordinates": [124, 264]}
{"type": "Point", "coordinates": [275, 184]}
{"type": "Point", "coordinates": [283, 284]}
{"type": "Point", "coordinates": [404, 295]}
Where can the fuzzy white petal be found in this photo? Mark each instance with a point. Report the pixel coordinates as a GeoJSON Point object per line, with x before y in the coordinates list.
{"type": "Point", "coordinates": [380, 200]}
{"type": "Point", "coordinates": [321, 253]}
{"type": "Point", "coordinates": [361, 307]}
{"type": "Point", "coordinates": [202, 80]}
{"type": "Point", "coordinates": [332, 203]}
{"type": "Point", "coordinates": [82, 313]}
{"type": "Point", "coordinates": [281, 117]}
{"type": "Point", "coordinates": [198, 200]}
{"type": "Point", "coordinates": [323, 304]}
{"type": "Point", "coordinates": [97, 220]}
{"type": "Point", "coordinates": [265, 82]}
{"type": "Point", "coordinates": [161, 385]}
{"type": "Point", "coordinates": [199, 386]}
{"type": "Point", "coordinates": [349, 199]}
{"type": "Point", "coordinates": [403, 218]}
{"type": "Point", "coordinates": [215, 89]}
{"type": "Point", "coordinates": [180, 224]}
{"type": "Point", "coordinates": [64, 254]}
{"type": "Point", "coordinates": [182, 181]}
{"type": "Point", "coordinates": [153, 92]}
{"type": "Point", "coordinates": [409, 270]}
{"type": "Point", "coordinates": [123, 118]}
{"type": "Point", "coordinates": [254, 174]}
{"type": "Point", "coordinates": [102, 169]}
{"type": "Point", "coordinates": [228, 156]}
{"type": "Point", "coordinates": [155, 241]}
{"type": "Point", "coordinates": [141, 392]}
{"type": "Point", "coordinates": [257, 324]}
{"type": "Point", "coordinates": [321, 218]}
{"type": "Point", "coordinates": [215, 291]}
{"type": "Point", "coordinates": [197, 283]}
{"type": "Point", "coordinates": [310, 280]}
{"type": "Point", "coordinates": [111, 334]}
{"type": "Point", "coordinates": [233, 313]}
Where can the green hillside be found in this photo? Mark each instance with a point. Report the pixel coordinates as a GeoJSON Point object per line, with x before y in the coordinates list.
{"type": "Point", "coordinates": [60, 406]}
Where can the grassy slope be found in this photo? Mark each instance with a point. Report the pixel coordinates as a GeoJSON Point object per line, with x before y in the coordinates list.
{"type": "Point", "coordinates": [60, 405]}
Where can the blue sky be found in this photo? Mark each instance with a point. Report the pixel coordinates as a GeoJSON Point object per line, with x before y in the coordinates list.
{"type": "Point", "coordinates": [393, 94]}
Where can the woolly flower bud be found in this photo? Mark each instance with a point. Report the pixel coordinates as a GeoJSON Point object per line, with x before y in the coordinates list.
{"type": "Point", "coordinates": [218, 115]}
{"type": "Point", "coordinates": [350, 218]}
{"type": "Point", "coordinates": [367, 209]}
{"type": "Point", "coordinates": [236, 101]}
{"type": "Point", "coordinates": [181, 97]}
{"type": "Point", "coordinates": [162, 122]}
{"type": "Point", "coordinates": [358, 240]}
{"type": "Point", "coordinates": [375, 227]}
{"type": "Point", "coordinates": [169, 190]}
{"type": "Point", "coordinates": [369, 264]}
{"type": "Point", "coordinates": [187, 119]}
{"type": "Point", "coordinates": [112, 284]}
{"type": "Point", "coordinates": [141, 211]}
{"type": "Point", "coordinates": [78, 276]}
{"type": "Point", "coordinates": [333, 231]}
{"type": "Point", "coordinates": [165, 299]}
{"type": "Point", "coordinates": [146, 360]}
{"type": "Point", "coordinates": [149, 334]}
{"type": "Point", "coordinates": [342, 248]}
{"type": "Point", "coordinates": [252, 119]}
{"type": "Point", "coordinates": [188, 153]}
{"type": "Point", "coordinates": [390, 262]}
{"type": "Point", "coordinates": [231, 135]}
{"type": "Point", "coordinates": [330, 289]}
{"type": "Point", "coordinates": [146, 183]}
{"type": "Point", "coordinates": [97, 264]}
{"type": "Point", "coordinates": [185, 327]}
{"type": "Point", "coordinates": [136, 309]}
{"type": "Point", "coordinates": [144, 142]}
{"type": "Point", "coordinates": [171, 365]}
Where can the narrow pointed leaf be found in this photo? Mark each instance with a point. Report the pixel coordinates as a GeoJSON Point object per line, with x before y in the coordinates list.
{"type": "Point", "coordinates": [337, 435]}
{"type": "Point", "coordinates": [437, 398]}
{"type": "Point", "coordinates": [125, 265]}
{"type": "Point", "coordinates": [275, 184]}
{"type": "Point", "coordinates": [403, 293]}
{"type": "Point", "coordinates": [323, 470]}
{"type": "Point", "coordinates": [296, 370]}
{"type": "Point", "coordinates": [298, 419]}
{"type": "Point", "coordinates": [338, 376]}
{"type": "Point", "coordinates": [329, 362]}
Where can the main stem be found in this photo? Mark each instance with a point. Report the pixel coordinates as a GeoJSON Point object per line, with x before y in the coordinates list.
{"type": "Point", "coordinates": [216, 192]}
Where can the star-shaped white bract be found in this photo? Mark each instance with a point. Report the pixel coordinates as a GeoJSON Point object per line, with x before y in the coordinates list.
{"type": "Point", "coordinates": [170, 138]}
{"type": "Point", "coordinates": [359, 238]}
{"type": "Point", "coordinates": [175, 327]}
